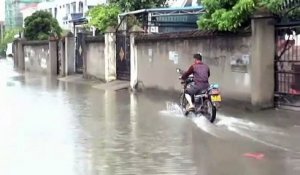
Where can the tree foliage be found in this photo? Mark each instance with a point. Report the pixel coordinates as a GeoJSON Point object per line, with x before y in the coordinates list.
{"type": "Point", "coordinates": [131, 5]}
{"type": "Point", "coordinates": [40, 25]}
{"type": "Point", "coordinates": [229, 15]}
{"type": "Point", "coordinates": [103, 16]}
{"type": "Point", "coordinates": [8, 38]}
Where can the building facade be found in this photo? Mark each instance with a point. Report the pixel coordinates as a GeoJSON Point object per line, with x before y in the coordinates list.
{"type": "Point", "coordinates": [182, 3]}
{"type": "Point", "coordinates": [28, 11]}
{"type": "Point", "coordinates": [68, 10]}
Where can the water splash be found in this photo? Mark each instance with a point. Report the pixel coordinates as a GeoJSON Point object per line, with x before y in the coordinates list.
{"type": "Point", "coordinates": [225, 125]}
{"type": "Point", "coordinates": [257, 132]}
{"type": "Point", "coordinates": [173, 110]}
{"type": "Point", "coordinates": [248, 135]}
{"type": "Point", "coordinates": [229, 121]}
{"type": "Point", "coordinates": [207, 126]}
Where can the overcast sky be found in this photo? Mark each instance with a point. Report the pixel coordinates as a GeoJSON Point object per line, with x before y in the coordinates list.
{"type": "Point", "coordinates": [2, 6]}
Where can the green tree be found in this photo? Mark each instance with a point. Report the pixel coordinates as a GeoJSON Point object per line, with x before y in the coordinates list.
{"type": "Point", "coordinates": [230, 15]}
{"type": "Point", "coordinates": [40, 25]}
{"type": "Point", "coordinates": [130, 5]}
{"type": "Point", "coordinates": [103, 16]}
{"type": "Point", "coordinates": [8, 38]}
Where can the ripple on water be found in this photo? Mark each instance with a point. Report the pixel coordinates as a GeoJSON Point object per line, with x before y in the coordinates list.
{"type": "Point", "coordinates": [267, 135]}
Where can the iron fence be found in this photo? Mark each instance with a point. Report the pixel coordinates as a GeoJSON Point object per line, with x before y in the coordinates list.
{"type": "Point", "coordinates": [287, 66]}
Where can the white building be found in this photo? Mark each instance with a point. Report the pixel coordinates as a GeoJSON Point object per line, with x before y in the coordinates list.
{"type": "Point", "coordinates": [66, 10]}
{"type": "Point", "coordinates": [28, 11]}
{"type": "Point", "coordinates": [182, 3]}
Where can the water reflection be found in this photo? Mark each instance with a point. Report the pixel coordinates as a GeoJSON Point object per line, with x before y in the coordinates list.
{"type": "Point", "coordinates": [51, 127]}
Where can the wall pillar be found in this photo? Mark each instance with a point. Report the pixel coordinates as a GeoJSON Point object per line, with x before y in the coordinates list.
{"type": "Point", "coordinates": [262, 61]}
{"type": "Point", "coordinates": [133, 62]}
{"type": "Point", "coordinates": [84, 55]}
{"type": "Point", "coordinates": [69, 55]}
{"type": "Point", "coordinates": [53, 59]}
{"type": "Point", "coordinates": [20, 55]}
{"type": "Point", "coordinates": [135, 30]}
{"type": "Point", "coordinates": [110, 57]}
{"type": "Point", "coordinates": [61, 46]}
{"type": "Point", "coordinates": [15, 54]}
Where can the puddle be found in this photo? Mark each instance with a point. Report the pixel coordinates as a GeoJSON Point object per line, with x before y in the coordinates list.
{"type": "Point", "coordinates": [267, 135]}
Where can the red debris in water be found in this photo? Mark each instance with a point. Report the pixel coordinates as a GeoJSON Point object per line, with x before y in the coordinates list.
{"type": "Point", "coordinates": [257, 156]}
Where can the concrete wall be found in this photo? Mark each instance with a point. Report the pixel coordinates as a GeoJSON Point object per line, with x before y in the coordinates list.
{"type": "Point", "coordinates": [158, 57]}
{"type": "Point", "coordinates": [95, 59]}
{"type": "Point", "coordinates": [99, 57]}
{"type": "Point", "coordinates": [36, 56]}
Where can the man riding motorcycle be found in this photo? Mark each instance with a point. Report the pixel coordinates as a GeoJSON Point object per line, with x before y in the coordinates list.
{"type": "Point", "coordinates": [201, 75]}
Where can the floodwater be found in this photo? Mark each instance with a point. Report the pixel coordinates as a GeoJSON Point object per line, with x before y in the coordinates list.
{"type": "Point", "coordinates": [50, 127]}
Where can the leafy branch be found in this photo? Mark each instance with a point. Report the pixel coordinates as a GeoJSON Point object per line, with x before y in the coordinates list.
{"type": "Point", "coordinates": [104, 16]}
{"type": "Point", "coordinates": [230, 15]}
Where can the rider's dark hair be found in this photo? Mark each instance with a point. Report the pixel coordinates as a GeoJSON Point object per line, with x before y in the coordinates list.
{"type": "Point", "coordinates": [198, 56]}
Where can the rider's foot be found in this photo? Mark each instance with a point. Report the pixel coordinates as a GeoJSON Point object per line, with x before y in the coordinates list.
{"type": "Point", "coordinates": [191, 108]}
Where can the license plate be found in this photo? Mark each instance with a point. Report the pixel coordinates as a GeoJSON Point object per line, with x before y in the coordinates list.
{"type": "Point", "coordinates": [216, 98]}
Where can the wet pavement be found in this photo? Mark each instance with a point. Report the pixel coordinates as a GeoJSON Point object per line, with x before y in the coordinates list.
{"type": "Point", "coordinates": [50, 127]}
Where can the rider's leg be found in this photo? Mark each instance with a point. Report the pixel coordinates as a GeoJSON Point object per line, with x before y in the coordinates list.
{"type": "Point", "coordinates": [190, 91]}
{"type": "Point", "coordinates": [189, 99]}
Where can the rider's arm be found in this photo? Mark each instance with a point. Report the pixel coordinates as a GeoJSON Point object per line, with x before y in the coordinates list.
{"type": "Point", "coordinates": [187, 73]}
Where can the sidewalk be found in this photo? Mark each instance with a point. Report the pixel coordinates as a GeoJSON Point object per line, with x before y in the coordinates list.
{"type": "Point", "coordinates": [97, 84]}
{"type": "Point", "coordinates": [78, 79]}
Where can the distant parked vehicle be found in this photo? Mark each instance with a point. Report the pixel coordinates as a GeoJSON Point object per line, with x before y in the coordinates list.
{"type": "Point", "coordinates": [9, 49]}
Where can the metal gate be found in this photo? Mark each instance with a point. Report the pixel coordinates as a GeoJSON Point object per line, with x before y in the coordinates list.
{"type": "Point", "coordinates": [287, 65]}
{"type": "Point", "coordinates": [123, 55]}
{"type": "Point", "coordinates": [78, 53]}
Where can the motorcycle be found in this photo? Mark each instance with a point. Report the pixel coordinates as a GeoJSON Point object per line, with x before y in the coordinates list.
{"type": "Point", "coordinates": [206, 102]}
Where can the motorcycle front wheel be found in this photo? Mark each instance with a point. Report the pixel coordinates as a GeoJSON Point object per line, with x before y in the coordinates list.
{"type": "Point", "coordinates": [209, 110]}
{"type": "Point", "coordinates": [183, 104]}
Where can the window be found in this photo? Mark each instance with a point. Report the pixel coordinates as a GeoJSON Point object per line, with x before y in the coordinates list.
{"type": "Point", "coordinates": [80, 8]}
{"type": "Point", "coordinates": [68, 10]}
{"type": "Point", "coordinates": [74, 7]}
{"type": "Point", "coordinates": [55, 12]}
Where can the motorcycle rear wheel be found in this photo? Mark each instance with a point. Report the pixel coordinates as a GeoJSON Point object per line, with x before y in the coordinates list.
{"type": "Point", "coordinates": [209, 110]}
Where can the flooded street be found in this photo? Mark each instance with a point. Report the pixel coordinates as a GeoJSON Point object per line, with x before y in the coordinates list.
{"type": "Point", "coordinates": [50, 127]}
